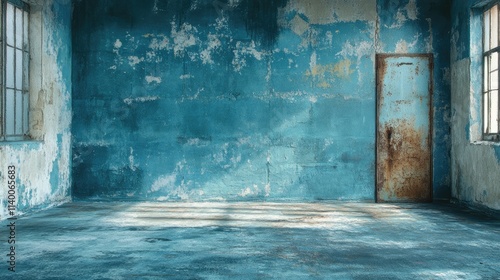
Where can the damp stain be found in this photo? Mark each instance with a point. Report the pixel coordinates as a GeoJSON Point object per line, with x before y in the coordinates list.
{"type": "Point", "coordinates": [262, 20]}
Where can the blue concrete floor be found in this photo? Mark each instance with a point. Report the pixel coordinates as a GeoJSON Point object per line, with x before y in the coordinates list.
{"type": "Point", "coordinates": [111, 240]}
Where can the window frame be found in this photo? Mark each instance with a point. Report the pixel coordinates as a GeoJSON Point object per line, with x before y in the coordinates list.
{"type": "Point", "coordinates": [487, 54]}
{"type": "Point", "coordinates": [15, 89]}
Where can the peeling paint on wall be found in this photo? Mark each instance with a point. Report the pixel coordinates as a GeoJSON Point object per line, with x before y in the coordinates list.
{"type": "Point", "coordinates": [476, 165]}
{"type": "Point", "coordinates": [403, 47]}
{"type": "Point", "coordinates": [332, 11]}
{"type": "Point", "coordinates": [213, 44]}
{"type": "Point", "coordinates": [405, 13]}
{"type": "Point", "coordinates": [153, 79]}
{"type": "Point", "coordinates": [298, 25]}
{"type": "Point", "coordinates": [244, 51]}
{"type": "Point", "coordinates": [134, 60]}
{"type": "Point", "coordinates": [272, 109]}
{"type": "Point", "coordinates": [141, 99]}
{"type": "Point", "coordinates": [118, 44]}
{"type": "Point", "coordinates": [158, 42]}
{"type": "Point", "coordinates": [326, 75]}
{"type": "Point", "coordinates": [183, 38]}
{"type": "Point", "coordinates": [43, 165]}
{"type": "Point", "coordinates": [163, 182]}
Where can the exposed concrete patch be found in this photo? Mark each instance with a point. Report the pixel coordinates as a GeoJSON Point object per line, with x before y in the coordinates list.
{"type": "Point", "coordinates": [183, 38]}
{"type": "Point", "coordinates": [325, 75]}
{"type": "Point", "coordinates": [329, 38]}
{"type": "Point", "coordinates": [251, 191]}
{"type": "Point", "coordinates": [155, 7]}
{"type": "Point", "coordinates": [359, 50]}
{"type": "Point", "coordinates": [404, 47]}
{"type": "Point", "coordinates": [131, 160]}
{"type": "Point", "coordinates": [43, 168]}
{"type": "Point", "coordinates": [298, 25]}
{"type": "Point", "coordinates": [186, 76]}
{"type": "Point", "coordinates": [313, 62]}
{"type": "Point", "coordinates": [153, 79]}
{"type": "Point", "coordinates": [332, 11]}
{"type": "Point", "coordinates": [411, 9]}
{"type": "Point", "coordinates": [227, 157]}
{"type": "Point", "coordinates": [408, 12]}
{"type": "Point", "coordinates": [475, 176]}
{"type": "Point", "coordinates": [166, 181]}
{"type": "Point", "coordinates": [401, 46]}
{"type": "Point", "coordinates": [158, 42]}
{"type": "Point", "coordinates": [118, 44]}
{"type": "Point", "coordinates": [142, 99]}
{"type": "Point", "coordinates": [244, 50]}
{"type": "Point", "coordinates": [198, 142]}
{"type": "Point", "coordinates": [134, 60]}
{"type": "Point", "coordinates": [267, 189]}
{"type": "Point", "coordinates": [213, 44]}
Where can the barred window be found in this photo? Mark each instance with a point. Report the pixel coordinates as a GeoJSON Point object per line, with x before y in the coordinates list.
{"type": "Point", "coordinates": [491, 50]}
{"type": "Point", "coordinates": [14, 60]}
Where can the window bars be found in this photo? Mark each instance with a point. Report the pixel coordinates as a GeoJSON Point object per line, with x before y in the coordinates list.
{"type": "Point", "coordinates": [14, 61]}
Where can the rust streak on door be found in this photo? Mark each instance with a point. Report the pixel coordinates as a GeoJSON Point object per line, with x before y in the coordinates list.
{"type": "Point", "coordinates": [404, 129]}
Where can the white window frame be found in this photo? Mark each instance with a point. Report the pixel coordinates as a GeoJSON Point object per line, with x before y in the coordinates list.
{"type": "Point", "coordinates": [490, 99]}
{"type": "Point", "coordinates": [14, 61]}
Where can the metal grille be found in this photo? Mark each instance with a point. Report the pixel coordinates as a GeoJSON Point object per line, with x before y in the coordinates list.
{"type": "Point", "coordinates": [14, 61]}
{"type": "Point", "coordinates": [491, 61]}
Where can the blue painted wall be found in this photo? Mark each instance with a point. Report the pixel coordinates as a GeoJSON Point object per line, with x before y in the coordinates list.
{"type": "Point", "coordinates": [274, 100]}
{"type": "Point", "coordinates": [475, 163]}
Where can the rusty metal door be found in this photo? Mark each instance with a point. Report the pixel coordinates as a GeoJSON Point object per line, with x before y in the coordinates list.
{"type": "Point", "coordinates": [404, 128]}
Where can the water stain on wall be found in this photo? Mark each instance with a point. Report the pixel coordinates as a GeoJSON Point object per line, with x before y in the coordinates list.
{"type": "Point", "coordinates": [324, 76]}
{"type": "Point", "coordinates": [262, 20]}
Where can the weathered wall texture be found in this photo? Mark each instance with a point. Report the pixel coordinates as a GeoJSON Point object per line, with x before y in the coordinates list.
{"type": "Point", "coordinates": [475, 164]}
{"type": "Point", "coordinates": [43, 166]}
{"type": "Point", "coordinates": [242, 99]}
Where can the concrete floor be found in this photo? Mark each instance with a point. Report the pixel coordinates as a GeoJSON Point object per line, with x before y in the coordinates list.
{"type": "Point", "coordinates": [110, 240]}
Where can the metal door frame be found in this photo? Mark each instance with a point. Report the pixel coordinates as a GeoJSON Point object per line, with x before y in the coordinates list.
{"type": "Point", "coordinates": [381, 57]}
